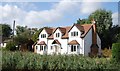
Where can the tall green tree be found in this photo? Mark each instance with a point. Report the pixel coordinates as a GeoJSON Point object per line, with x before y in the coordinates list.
{"type": "Point", "coordinates": [6, 31]}
{"type": "Point", "coordinates": [36, 35]}
{"type": "Point", "coordinates": [103, 20]}
{"type": "Point", "coordinates": [104, 23]}
{"type": "Point", "coordinates": [83, 21]}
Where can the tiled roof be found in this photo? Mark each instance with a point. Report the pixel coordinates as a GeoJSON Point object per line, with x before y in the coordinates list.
{"type": "Point", "coordinates": [56, 42]}
{"type": "Point", "coordinates": [73, 42]}
{"type": "Point", "coordinates": [49, 30]}
{"type": "Point", "coordinates": [86, 28]}
{"type": "Point", "coordinates": [65, 30]}
{"type": "Point", "coordinates": [79, 26]}
{"type": "Point", "coordinates": [41, 43]}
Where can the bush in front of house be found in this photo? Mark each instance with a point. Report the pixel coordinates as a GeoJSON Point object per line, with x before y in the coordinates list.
{"type": "Point", "coordinates": [11, 46]}
{"type": "Point", "coordinates": [116, 52]}
{"type": "Point", "coordinates": [31, 61]}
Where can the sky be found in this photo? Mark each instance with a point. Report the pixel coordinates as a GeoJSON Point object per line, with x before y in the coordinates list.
{"type": "Point", "coordinates": [53, 14]}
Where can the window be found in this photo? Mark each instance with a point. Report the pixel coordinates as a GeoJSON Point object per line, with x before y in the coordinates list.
{"type": "Point", "coordinates": [36, 48]}
{"type": "Point", "coordinates": [43, 35]}
{"type": "Point", "coordinates": [57, 34]}
{"type": "Point", "coordinates": [41, 48]}
{"type": "Point", "coordinates": [44, 48]}
{"type": "Point", "coordinates": [73, 48]}
{"type": "Point", "coordinates": [74, 33]}
{"type": "Point", "coordinates": [77, 46]}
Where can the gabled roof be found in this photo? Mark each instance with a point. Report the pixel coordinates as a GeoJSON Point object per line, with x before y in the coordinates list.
{"type": "Point", "coordinates": [41, 43]}
{"type": "Point", "coordinates": [65, 30]}
{"type": "Point", "coordinates": [73, 42]}
{"type": "Point", "coordinates": [62, 30]}
{"type": "Point", "coordinates": [49, 30]}
{"type": "Point", "coordinates": [56, 42]}
{"type": "Point", "coordinates": [80, 28]}
{"type": "Point", "coordinates": [86, 28]}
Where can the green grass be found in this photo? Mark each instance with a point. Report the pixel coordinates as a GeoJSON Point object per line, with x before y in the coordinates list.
{"type": "Point", "coordinates": [32, 61]}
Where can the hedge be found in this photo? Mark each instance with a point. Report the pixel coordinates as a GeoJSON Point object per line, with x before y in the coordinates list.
{"type": "Point", "coordinates": [116, 51]}
{"type": "Point", "coordinates": [31, 61]}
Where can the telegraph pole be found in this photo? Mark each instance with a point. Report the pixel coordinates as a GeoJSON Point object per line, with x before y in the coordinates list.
{"type": "Point", "coordinates": [13, 29]}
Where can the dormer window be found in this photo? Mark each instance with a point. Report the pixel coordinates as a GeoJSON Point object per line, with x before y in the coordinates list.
{"type": "Point", "coordinates": [74, 33]}
{"type": "Point", "coordinates": [43, 35]}
{"type": "Point", "coordinates": [57, 34]}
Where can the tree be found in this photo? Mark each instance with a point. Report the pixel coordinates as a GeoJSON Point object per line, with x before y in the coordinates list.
{"type": "Point", "coordinates": [6, 31]}
{"type": "Point", "coordinates": [11, 46]}
{"type": "Point", "coordinates": [36, 35]}
{"type": "Point", "coordinates": [83, 21]}
{"type": "Point", "coordinates": [103, 20]}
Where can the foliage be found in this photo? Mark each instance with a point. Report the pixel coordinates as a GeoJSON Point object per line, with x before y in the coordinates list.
{"type": "Point", "coordinates": [107, 52]}
{"type": "Point", "coordinates": [24, 31]}
{"type": "Point", "coordinates": [36, 35]}
{"type": "Point", "coordinates": [32, 61]}
{"type": "Point", "coordinates": [6, 31]}
{"type": "Point", "coordinates": [21, 39]}
{"type": "Point", "coordinates": [23, 34]}
{"type": "Point", "coordinates": [11, 46]}
{"type": "Point", "coordinates": [83, 21]}
{"type": "Point", "coordinates": [116, 51]}
{"type": "Point", "coordinates": [105, 28]}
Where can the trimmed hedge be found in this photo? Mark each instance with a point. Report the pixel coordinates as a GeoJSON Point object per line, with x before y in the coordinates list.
{"type": "Point", "coordinates": [31, 61]}
{"type": "Point", "coordinates": [116, 51]}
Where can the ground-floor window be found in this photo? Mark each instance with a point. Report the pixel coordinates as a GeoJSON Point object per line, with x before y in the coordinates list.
{"type": "Point", "coordinates": [42, 47]}
{"type": "Point", "coordinates": [73, 48]}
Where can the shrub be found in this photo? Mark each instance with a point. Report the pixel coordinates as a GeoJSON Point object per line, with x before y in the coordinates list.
{"type": "Point", "coordinates": [11, 46]}
{"type": "Point", "coordinates": [106, 52]}
{"type": "Point", "coordinates": [116, 51]}
{"type": "Point", "coordinates": [35, 62]}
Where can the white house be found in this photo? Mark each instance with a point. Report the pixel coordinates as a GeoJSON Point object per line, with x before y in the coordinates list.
{"type": "Point", "coordinates": [75, 39]}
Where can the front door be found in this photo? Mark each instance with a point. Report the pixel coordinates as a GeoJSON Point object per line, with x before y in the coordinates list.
{"type": "Point", "coordinates": [56, 49]}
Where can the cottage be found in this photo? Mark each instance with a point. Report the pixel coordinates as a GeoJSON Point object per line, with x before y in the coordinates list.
{"type": "Point", "coordinates": [75, 39]}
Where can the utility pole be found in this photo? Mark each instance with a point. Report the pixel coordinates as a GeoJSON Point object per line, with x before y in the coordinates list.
{"type": "Point", "coordinates": [13, 29]}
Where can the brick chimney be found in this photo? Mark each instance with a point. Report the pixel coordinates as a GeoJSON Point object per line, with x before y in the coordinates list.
{"type": "Point", "coordinates": [94, 34]}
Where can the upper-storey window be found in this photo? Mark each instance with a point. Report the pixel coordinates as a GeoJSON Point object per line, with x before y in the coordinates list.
{"type": "Point", "coordinates": [74, 33]}
{"type": "Point", "coordinates": [43, 35]}
{"type": "Point", "coordinates": [57, 34]}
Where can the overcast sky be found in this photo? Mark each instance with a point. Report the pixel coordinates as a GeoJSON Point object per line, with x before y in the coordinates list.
{"type": "Point", "coordinates": [56, 13]}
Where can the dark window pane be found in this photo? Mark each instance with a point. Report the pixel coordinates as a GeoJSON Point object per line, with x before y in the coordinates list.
{"type": "Point", "coordinates": [74, 33]}
{"type": "Point", "coordinates": [71, 48]}
{"type": "Point", "coordinates": [77, 33]}
{"type": "Point", "coordinates": [58, 34]}
{"type": "Point", "coordinates": [41, 47]}
{"type": "Point", "coordinates": [74, 48]}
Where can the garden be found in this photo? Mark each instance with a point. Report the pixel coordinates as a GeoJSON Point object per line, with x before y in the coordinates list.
{"type": "Point", "coordinates": [17, 60]}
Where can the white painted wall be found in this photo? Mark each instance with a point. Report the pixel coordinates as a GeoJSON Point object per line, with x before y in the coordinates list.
{"type": "Point", "coordinates": [62, 41]}
{"type": "Point", "coordinates": [42, 39]}
{"type": "Point", "coordinates": [3, 44]}
{"type": "Point", "coordinates": [87, 42]}
{"type": "Point", "coordinates": [77, 38]}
